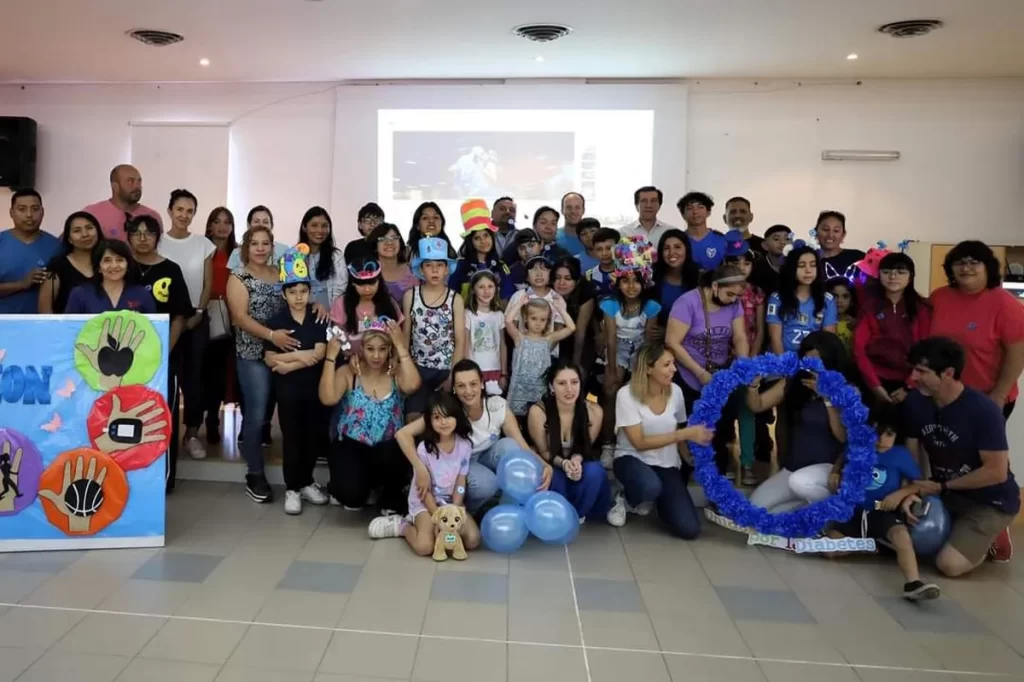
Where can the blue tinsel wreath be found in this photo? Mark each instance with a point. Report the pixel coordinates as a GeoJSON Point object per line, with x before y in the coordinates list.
{"type": "Point", "coordinates": [860, 448]}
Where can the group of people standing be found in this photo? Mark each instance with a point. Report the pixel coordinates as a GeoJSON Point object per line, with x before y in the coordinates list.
{"type": "Point", "coordinates": [415, 367]}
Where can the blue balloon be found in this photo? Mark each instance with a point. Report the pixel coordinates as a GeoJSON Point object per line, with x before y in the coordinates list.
{"type": "Point", "coordinates": [932, 531]}
{"type": "Point", "coordinates": [551, 518]}
{"type": "Point", "coordinates": [504, 528]}
{"type": "Point", "coordinates": [508, 499]}
{"type": "Point", "coordinates": [519, 475]}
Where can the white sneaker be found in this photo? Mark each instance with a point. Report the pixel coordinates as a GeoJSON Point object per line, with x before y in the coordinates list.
{"type": "Point", "coordinates": [642, 509]}
{"type": "Point", "coordinates": [335, 502]}
{"type": "Point", "coordinates": [386, 527]}
{"type": "Point", "coordinates": [617, 514]}
{"type": "Point", "coordinates": [292, 502]}
{"type": "Point", "coordinates": [312, 494]}
{"type": "Point", "coordinates": [195, 448]}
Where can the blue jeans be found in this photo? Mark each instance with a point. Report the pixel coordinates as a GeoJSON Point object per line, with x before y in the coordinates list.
{"type": "Point", "coordinates": [591, 495]}
{"type": "Point", "coordinates": [664, 486]}
{"type": "Point", "coordinates": [483, 481]}
{"type": "Point", "coordinates": [254, 378]}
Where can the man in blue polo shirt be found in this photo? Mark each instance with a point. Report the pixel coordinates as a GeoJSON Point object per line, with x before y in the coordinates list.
{"type": "Point", "coordinates": [707, 245]}
{"type": "Point", "coordinates": [25, 251]}
{"type": "Point", "coordinates": [963, 435]}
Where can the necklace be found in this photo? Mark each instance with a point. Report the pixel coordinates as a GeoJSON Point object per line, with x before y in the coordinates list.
{"type": "Point", "coordinates": [143, 271]}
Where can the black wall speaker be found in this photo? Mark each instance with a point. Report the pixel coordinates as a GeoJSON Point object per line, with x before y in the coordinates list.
{"type": "Point", "coordinates": [17, 152]}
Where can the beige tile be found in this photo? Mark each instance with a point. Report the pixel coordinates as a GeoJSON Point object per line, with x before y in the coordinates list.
{"type": "Point", "coordinates": [39, 628]}
{"type": "Point", "coordinates": [16, 585]}
{"type": "Point", "coordinates": [706, 669]}
{"type": "Point", "coordinates": [682, 633]}
{"type": "Point", "coordinates": [149, 596]}
{"type": "Point", "coordinates": [281, 648]}
{"type": "Point", "coordinates": [543, 589]}
{"type": "Point", "coordinates": [531, 663]}
{"type": "Point", "coordinates": [195, 641]}
{"type": "Point", "coordinates": [621, 630]}
{"type": "Point", "coordinates": [788, 641]}
{"type": "Point", "coordinates": [400, 609]}
{"type": "Point", "coordinates": [753, 571]}
{"type": "Point", "coordinates": [299, 607]}
{"type": "Point", "coordinates": [100, 633]}
{"type": "Point", "coordinates": [620, 666]}
{"type": "Point", "coordinates": [353, 653]}
{"type": "Point", "coordinates": [791, 672]}
{"type": "Point", "coordinates": [329, 677]}
{"type": "Point", "coordinates": [53, 667]}
{"type": "Point", "coordinates": [553, 626]}
{"type": "Point", "coordinates": [236, 674]}
{"type": "Point", "coordinates": [480, 561]}
{"type": "Point", "coordinates": [972, 653]}
{"type": "Point", "coordinates": [447, 661]}
{"type": "Point", "coordinates": [454, 619]}
{"type": "Point", "coordinates": [228, 603]}
{"type": "Point", "coordinates": [15, 660]}
{"type": "Point", "coordinates": [661, 568]}
{"type": "Point", "coordinates": [146, 670]}
{"type": "Point", "coordinates": [70, 592]}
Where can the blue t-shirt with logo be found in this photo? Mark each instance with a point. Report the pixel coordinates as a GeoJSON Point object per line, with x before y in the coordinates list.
{"type": "Point", "coordinates": [955, 435]}
{"type": "Point", "coordinates": [709, 252]}
{"type": "Point", "coordinates": [796, 327]}
{"type": "Point", "coordinates": [602, 281]}
{"type": "Point", "coordinates": [17, 259]}
{"type": "Point", "coordinates": [894, 466]}
{"type": "Point", "coordinates": [569, 242]}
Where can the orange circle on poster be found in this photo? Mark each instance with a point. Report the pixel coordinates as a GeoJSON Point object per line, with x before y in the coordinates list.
{"type": "Point", "coordinates": [83, 491]}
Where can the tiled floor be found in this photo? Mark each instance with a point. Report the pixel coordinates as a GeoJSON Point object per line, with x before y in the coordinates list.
{"type": "Point", "coordinates": [245, 593]}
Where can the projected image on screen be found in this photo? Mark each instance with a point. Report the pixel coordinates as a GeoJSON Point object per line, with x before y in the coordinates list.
{"type": "Point", "coordinates": [439, 165]}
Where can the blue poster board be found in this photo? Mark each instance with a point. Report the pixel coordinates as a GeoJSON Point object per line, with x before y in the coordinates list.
{"type": "Point", "coordinates": [84, 431]}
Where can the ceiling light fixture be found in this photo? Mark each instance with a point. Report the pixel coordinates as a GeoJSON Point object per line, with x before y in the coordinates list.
{"type": "Point", "coordinates": [204, 62]}
{"type": "Point", "coordinates": [538, 58]}
{"type": "Point", "coordinates": [852, 56]}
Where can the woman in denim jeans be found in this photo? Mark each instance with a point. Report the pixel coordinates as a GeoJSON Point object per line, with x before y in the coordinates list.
{"type": "Point", "coordinates": [490, 420]}
{"type": "Point", "coordinates": [253, 298]}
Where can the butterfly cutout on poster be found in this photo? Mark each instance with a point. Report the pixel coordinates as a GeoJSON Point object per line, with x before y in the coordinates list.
{"type": "Point", "coordinates": [53, 425]}
{"type": "Point", "coordinates": [67, 390]}
{"type": "Point", "coordinates": [3, 354]}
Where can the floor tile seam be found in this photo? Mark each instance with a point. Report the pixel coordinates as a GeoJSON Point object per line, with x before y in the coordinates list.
{"type": "Point", "coordinates": [756, 659]}
{"type": "Point", "coordinates": [579, 618]}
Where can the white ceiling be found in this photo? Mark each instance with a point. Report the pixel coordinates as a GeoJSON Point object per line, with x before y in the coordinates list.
{"type": "Point", "coordinates": [326, 40]}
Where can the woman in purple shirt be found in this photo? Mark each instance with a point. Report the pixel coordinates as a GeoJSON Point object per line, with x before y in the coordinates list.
{"type": "Point", "coordinates": [706, 329]}
{"type": "Point", "coordinates": [110, 289]}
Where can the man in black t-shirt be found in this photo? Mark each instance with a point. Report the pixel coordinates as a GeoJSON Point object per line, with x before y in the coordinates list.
{"type": "Point", "coordinates": [370, 216]}
{"type": "Point", "coordinates": [962, 434]}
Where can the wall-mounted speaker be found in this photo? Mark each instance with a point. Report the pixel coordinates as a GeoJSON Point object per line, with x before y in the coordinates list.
{"type": "Point", "coordinates": [17, 152]}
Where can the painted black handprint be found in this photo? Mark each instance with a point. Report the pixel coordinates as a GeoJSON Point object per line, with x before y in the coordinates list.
{"type": "Point", "coordinates": [114, 353]}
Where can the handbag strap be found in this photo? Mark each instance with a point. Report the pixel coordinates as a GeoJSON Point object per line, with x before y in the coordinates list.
{"type": "Point", "coordinates": [708, 365]}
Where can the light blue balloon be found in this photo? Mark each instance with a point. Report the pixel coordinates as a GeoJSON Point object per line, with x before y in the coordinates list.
{"type": "Point", "coordinates": [932, 531]}
{"type": "Point", "coordinates": [519, 475]}
{"type": "Point", "coordinates": [504, 528]}
{"type": "Point", "coordinates": [508, 499]}
{"type": "Point", "coordinates": [551, 518]}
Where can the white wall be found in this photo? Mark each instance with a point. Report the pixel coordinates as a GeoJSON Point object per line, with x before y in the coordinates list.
{"type": "Point", "coordinates": [961, 171]}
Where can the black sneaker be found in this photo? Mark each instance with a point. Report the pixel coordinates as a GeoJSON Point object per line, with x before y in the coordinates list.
{"type": "Point", "coordinates": [265, 436]}
{"type": "Point", "coordinates": [919, 591]}
{"type": "Point", "coordinates": [213, 433]}
{"type": "Point", "coordinates": [257, 488]}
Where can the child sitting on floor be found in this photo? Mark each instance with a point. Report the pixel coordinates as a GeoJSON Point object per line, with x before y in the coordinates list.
{"type": "Point", "coordinates": [883, 514]}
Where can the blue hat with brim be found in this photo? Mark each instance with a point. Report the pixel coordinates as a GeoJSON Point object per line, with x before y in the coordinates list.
{"type": "Point", "coordinates": [735, 244]}
{"type": "Point", "coordinates": [432, 248]}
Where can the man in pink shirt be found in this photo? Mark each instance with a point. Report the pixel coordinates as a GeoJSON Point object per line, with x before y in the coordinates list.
{"type": "Point", "coordinates": [126, 192]}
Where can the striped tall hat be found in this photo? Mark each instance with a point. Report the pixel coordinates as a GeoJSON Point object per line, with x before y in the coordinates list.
{"type": "Point", "coordinates": [476, 216]}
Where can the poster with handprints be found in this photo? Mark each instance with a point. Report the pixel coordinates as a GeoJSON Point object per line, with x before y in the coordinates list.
{"type": "Point", "coordinates": [84, 431]}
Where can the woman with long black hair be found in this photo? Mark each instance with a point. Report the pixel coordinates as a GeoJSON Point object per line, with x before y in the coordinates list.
{"type": "Point", "coordinates": [73, 266]}
{"type": "Point", "coordinates": [801, 305]}
{"type": "Point", "coordinates": [327, 273]}
{"type": "Point", "coordinates": [675, 273]}
{"type": "Point", "coordinates": [428, 221]}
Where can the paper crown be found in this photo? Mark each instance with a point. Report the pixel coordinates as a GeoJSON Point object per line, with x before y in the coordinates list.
{"type": "Point", "coordinates": [293, 266]}
{"type": "Point", "coordinates": [476, 217]}
{"type": "Point", "coordinates": [432, 248]}
{"type": "Point", "coordinates": [735, 244]}
{"type": "Point", "coordinates": [634, 254]}
{"type": "Point", "coordinates": [368, 269]}
{"type": "Point", "coordinates": [375, 326]}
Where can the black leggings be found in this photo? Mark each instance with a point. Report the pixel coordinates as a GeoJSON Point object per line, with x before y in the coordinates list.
{"type": "Point", "coordinates": [304, 438]}
{"type": "Point", "coordinates": [357, 468]}
{"type": "Point", "coordinates": [725, 430]}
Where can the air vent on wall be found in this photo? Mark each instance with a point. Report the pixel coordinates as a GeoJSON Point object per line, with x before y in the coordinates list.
{"type": "Point", "coordinates": [911, 28]}
{"type": "Point", "coordinates": [542, 33]}
{"type": "Point", "coordinates": [154, 37]}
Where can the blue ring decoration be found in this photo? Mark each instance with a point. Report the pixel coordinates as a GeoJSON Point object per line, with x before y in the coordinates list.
{"type": "Point", "coordinates": [860, 451]}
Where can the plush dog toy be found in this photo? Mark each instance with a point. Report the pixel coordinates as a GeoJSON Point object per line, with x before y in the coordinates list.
{"type": "Point", "coordinates": [447, 526]}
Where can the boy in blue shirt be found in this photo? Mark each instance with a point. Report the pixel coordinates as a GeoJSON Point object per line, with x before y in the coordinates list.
{"type": "Point", "coordinates": [879, 517]}
{"type": "Point", "coordinates": [604, 242]}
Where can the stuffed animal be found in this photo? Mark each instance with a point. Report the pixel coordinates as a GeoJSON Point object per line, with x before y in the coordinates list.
{"type": "Point", "coordinates": [447, 527]}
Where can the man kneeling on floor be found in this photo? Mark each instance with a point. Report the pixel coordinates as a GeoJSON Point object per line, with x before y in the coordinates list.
{"type": "Point", "coordinates": [961, 433]}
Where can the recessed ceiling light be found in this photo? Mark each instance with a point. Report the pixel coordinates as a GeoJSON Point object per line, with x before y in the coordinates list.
{"type": "Point", "coordinates": [852, 56]}
{"type": "Point", "coordinates": [538, 58]}
{"type": "Point", "coordinates": [204, 62]}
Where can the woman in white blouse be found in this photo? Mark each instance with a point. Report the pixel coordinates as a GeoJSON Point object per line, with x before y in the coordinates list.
{"type": "Point", "coordinates": [496, 433]}
{"type": "Point", "coordinates": [650, 445]}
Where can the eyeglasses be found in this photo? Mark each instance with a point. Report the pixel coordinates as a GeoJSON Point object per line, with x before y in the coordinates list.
{"type": "Point", "coordinates": [966, 263]}
{"type": "Point", "coordinates": [388, 239]}
{"type": "Point", "coordinates": [371, 222]}
{"type": "Point", "coordinates": [141, 233]}
{"type": "Point", "coordinates": [896, 272]}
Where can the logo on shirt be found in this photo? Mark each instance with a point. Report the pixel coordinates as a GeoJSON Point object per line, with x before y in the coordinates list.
{"type": "Point", "coordinates": [878, 478]}
{"type": "Point", "coordinates": [162, 289]}
{"type": "Point", "coordinates": [972, 326]}
{"type": "Point", "coordinates": [711, 251]}
{"type": "Point", "coordinates": [941, 436]}
{"type": "Point", "coordinates": [772, 309]}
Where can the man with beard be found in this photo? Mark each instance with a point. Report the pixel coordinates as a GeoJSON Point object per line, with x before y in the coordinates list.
{"type": "Point", "coordinates": [737, 216]}
{"type": "Point", "coordinates": [503, 215]}
{"type": "Point", "coordinates": [124, 203]}
{"type": "Point", "coordinates": [25, 250]}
